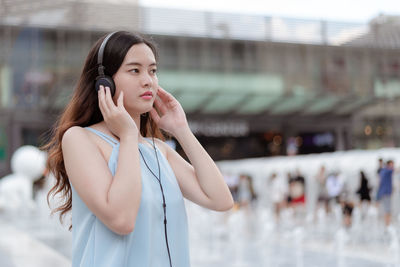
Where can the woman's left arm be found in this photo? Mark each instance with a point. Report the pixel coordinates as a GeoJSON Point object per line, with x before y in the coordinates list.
{"type": "Point", "coordinates": [201, 181]}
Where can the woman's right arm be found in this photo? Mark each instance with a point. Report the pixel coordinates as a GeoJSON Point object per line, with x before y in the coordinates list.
{"type": "Point", "coordinates": [114, 200]}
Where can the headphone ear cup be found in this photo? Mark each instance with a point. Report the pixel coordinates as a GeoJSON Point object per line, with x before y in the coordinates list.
{"type": "Point", "coordinates": [106, 81]}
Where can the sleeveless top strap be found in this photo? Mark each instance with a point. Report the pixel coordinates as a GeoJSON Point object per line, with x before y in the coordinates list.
{"type": "Point", "coordinates": [104, 136]}
{"type": "Point", "coordinates": [150, 141]}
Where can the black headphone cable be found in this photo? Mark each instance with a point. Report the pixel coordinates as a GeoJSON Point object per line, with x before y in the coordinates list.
{"type": "Point", "coordinates": [163, 197]}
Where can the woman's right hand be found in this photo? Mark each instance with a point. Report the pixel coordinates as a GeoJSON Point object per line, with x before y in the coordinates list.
{"type": "Point", "coordinates": [117, 119]}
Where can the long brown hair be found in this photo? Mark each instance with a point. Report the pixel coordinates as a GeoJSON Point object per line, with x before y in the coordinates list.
{"type": "Point", "coordinates": [83, 110]}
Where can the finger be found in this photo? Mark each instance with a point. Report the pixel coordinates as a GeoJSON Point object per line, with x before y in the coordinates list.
{"type": "Point", "coordinates": [120, 101]}
{"type": "Point", "coordinates": [154, 115]}
{"type": "Point", "coordinates": [164, 95]}
{"type": "Point", "coordinates": [168, 99]}
{"type": "Point", "coordinates": [109, 102]}
{"type": "Point", "coordinates": [160, 105]}
{"type": "Point", "coordinates": [102, 105]}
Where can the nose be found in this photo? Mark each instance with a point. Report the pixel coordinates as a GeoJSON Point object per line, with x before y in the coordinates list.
{"type": "Point", "coordinates": [147, 81]}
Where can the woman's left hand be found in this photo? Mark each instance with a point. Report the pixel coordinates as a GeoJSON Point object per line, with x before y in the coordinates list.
{"type": "Point", "coordinates": [171, 116]}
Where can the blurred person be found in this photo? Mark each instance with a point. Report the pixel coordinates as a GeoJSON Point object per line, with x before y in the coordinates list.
{"type": "Point", "coordinates": [246, 193]}
{"type": "Point", "coordinates": [347, 208]}
{"type": "Point", "coordinates": [297, 197]}
{"type": "Point", "coordinates": [297, 189]}
{"type": "Point", "coordinates": [384, 194]}
{"type": "Point", "coordinates": [289, 180]}
{"type": "Point", "coordinates": [381, 165]}
{"type": "Point", "coordinates": [232, 181]}
{"type": "Point", "coordinates": [39, 183]}
{"type": "Point", "coordinates": [376, 178]}
{"type": "Point", "coordinates": [347, 204]}
{"type": "Point", "coordinates": [278, 191]}
{"type": "Point", "coordinates": [124, 185]}
{"type": "Point", "coordinates": [292, 147]}
{"type": "Point", "coordinates": [334, 186]}
{"type": "Point", "coordinates": [364, 189]}
{"type": "Point", "coordinates": [254, 195]}
{"type": "Point", "coordinates": [364, 193]}
{"type": "Point", "coordinates": [322, 193]}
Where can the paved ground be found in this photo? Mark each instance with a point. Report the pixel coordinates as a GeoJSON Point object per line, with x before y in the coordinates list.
{"type": "Point", "coordinates": [20, 249]}
{"type": "Point", "coordinates": [238, 239]}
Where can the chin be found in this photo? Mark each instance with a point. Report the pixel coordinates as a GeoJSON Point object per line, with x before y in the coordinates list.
{"type": "Point", "coordinates": [147, 110]}
{"type": "Point", "coordinates": [135, 110]}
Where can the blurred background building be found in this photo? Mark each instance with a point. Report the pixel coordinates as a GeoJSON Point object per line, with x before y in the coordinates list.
{"type": "Point", "coordinates": [251, 85]}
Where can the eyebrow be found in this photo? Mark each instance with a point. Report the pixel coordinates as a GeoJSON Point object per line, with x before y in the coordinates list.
{"type": "Point", "coordinates": [139, 64]}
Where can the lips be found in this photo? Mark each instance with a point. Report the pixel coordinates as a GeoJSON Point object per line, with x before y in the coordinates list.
{"type": "Point", "coordinates": [147, 93]}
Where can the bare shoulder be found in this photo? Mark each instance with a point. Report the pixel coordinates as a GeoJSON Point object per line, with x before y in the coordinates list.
{"type": "Point", "coordinates": [169, 152]}
{"type": "Point", "coordinates": [78, 143]}
{"type": "Point", "coordinates": [74, 134]}
{"type": "Point", "coordinates": [164, 147]}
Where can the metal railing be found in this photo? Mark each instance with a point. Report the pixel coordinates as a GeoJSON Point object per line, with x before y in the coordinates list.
{"type": "Point", "coordinates": [247, 27]}
{"type": "Point", "coordinates": [178, 22]}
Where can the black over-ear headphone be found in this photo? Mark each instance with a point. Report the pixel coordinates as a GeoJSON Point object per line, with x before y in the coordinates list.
{"type": "Point", "coordinates": [103, 79]}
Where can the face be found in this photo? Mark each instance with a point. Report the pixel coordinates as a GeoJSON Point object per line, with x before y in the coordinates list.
{"type": "Point", "coordinates": [390, 165]}
{"type": "Point", "coordinates": [137, 78]}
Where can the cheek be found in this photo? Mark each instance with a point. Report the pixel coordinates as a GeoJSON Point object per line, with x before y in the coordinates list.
{"type": "Point", "coordinates": [120, 81]}
{"type": "Point", "coordinates": [120, 85]}
{"type": "Point", "coordinates": [155, 82]}
{"type": "Point", "coordinates": [123, 83]}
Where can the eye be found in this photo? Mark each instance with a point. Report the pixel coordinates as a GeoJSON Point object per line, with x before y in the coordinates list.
{"type": "Point", "coordinates": [134, 70]}
{"type": "Point", "coordinates": [153, 71]}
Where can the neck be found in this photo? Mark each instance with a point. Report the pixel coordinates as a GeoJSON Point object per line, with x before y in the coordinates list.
{"type": "Point", "coordinates": [136, 119]}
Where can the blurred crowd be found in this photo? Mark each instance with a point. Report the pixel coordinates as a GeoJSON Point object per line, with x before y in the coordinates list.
{"type": "Point", "coordinates": [329, 189]}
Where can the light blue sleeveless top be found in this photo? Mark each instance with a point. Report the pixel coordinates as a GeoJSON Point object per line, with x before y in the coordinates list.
{"type": "Point", "coordinates": [94, 245]}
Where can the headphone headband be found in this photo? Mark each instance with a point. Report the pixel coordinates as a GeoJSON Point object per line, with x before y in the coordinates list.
{"type": "Point", "coordinates": [101, 52]}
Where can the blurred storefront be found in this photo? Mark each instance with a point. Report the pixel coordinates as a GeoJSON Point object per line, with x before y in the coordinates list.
{"type": "Point", "coordinates": [251, 86]}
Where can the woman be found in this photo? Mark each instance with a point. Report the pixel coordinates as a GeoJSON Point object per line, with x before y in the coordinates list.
{"type": "Point", "coordinates": [126, 190]}
{"type": "Point", "coordinates": [364, 189]}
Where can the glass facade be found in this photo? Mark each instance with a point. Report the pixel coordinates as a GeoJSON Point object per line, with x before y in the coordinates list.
{"type": "Point", "coordinates": [282, 77]}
